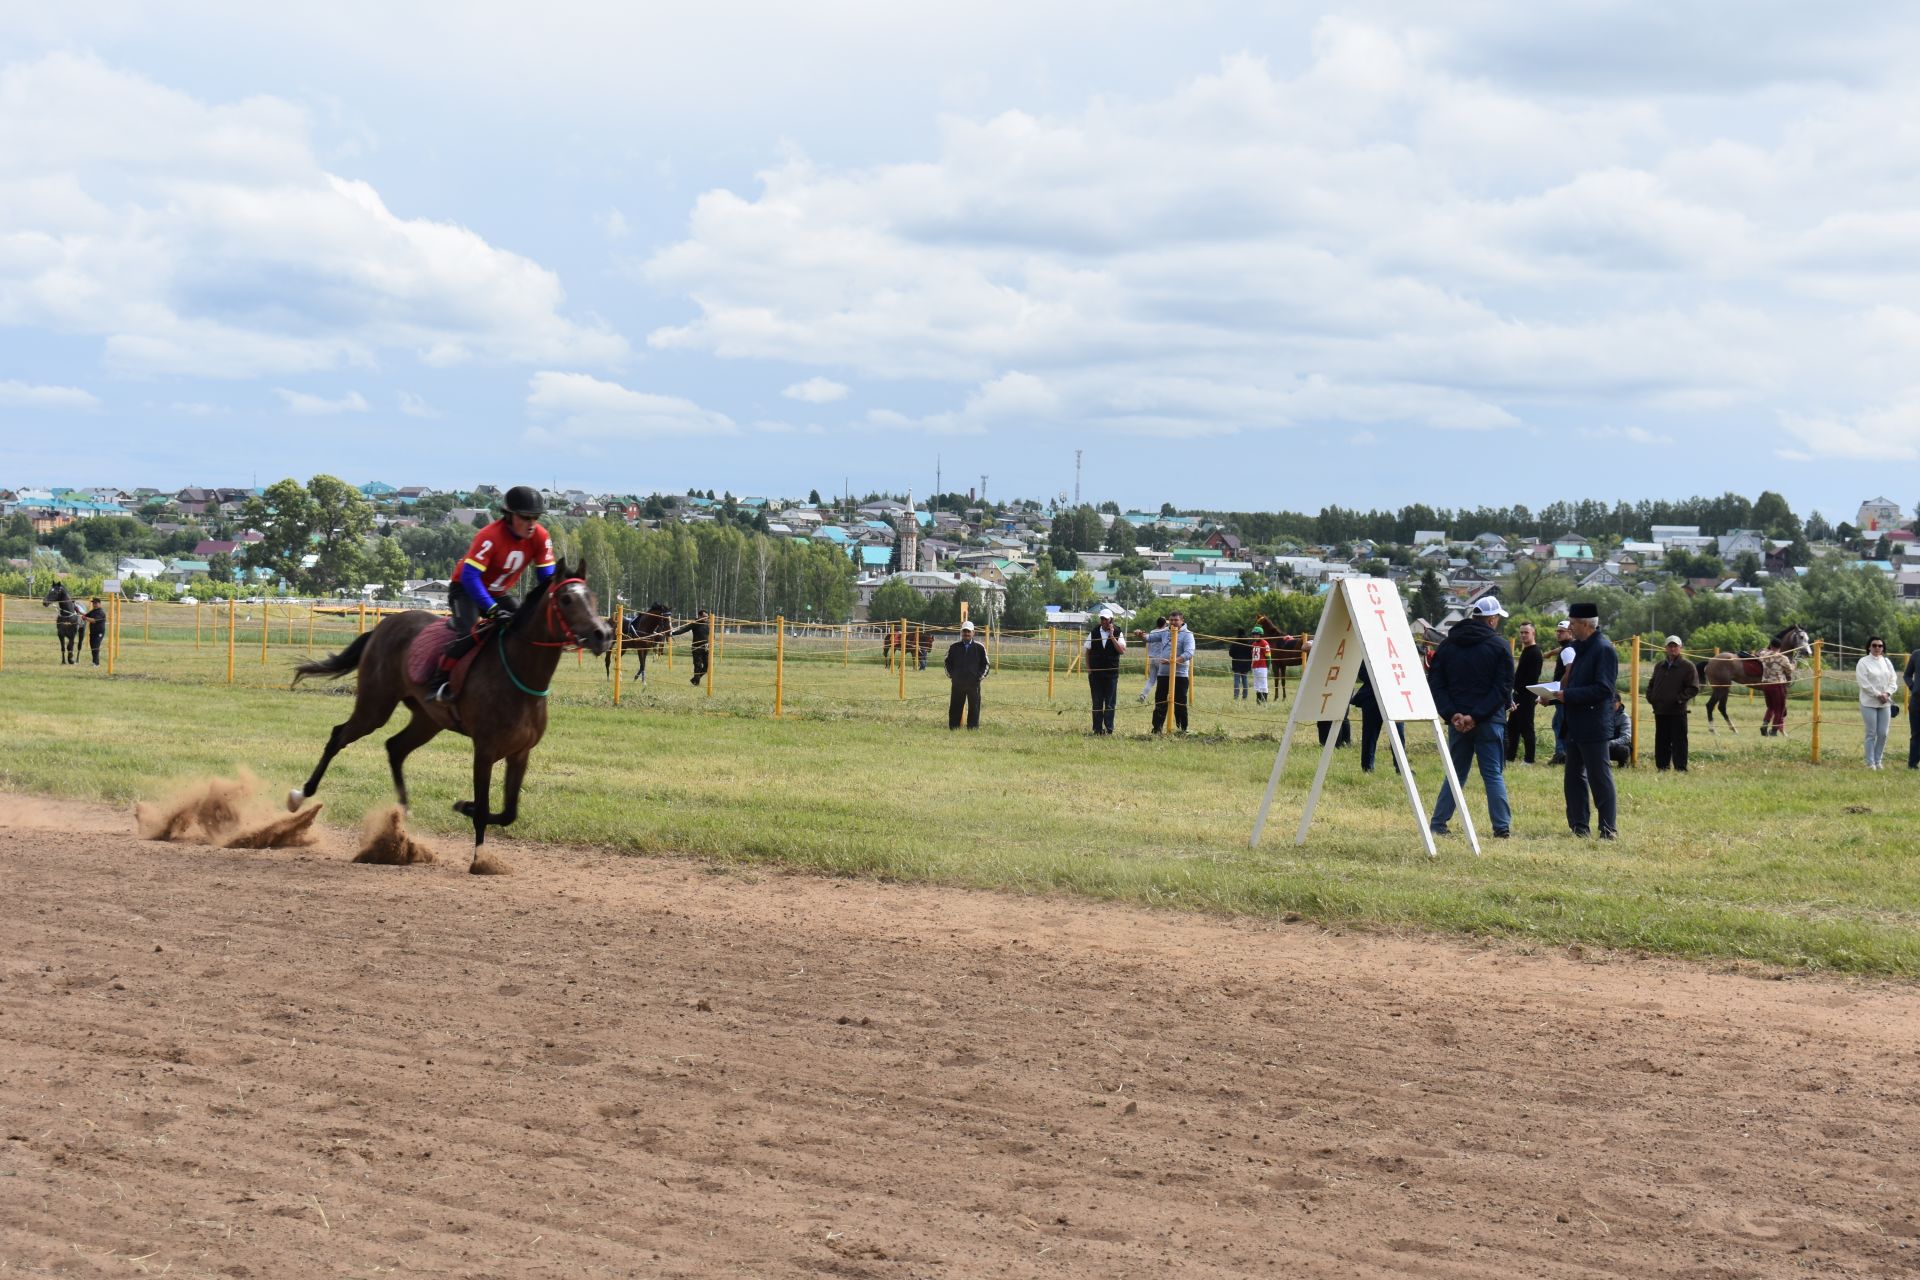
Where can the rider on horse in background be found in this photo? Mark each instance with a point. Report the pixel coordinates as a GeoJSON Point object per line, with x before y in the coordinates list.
{"type": "Point", "coordinates": [499, 554]}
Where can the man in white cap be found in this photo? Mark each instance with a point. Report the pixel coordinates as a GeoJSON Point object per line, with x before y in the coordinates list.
{"type": "Point", "coordinates": [966, 667]}
{"type": "Point", "coordinates": [1674, 683]}
{"type": "Point", "coordinates": [1472, 680]}
{"type": "Point", "coordinates": [1100, 654]}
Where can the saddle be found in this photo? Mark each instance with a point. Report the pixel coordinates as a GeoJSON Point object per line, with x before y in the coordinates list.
{"type": "Point", "coordinates": [424, 654]}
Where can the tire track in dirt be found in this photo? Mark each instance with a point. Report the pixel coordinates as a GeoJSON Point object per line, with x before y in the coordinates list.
{"type": "Point", "coordinates": [275, 1063]}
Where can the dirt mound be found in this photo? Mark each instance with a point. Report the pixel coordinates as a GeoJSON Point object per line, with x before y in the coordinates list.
{"type": "Point", "coordinates": [384, 840]}
{"type": "Point", "coordinates": [282, 831]}
{"type": "Point", "coordinates": [206, 809]}
{"type": "Point", "coordinates": [217, 811]}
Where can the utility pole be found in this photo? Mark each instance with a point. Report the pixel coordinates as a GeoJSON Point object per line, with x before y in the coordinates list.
{"type": "Point", "coordinates": [1076, 477]}
{"type": "Point", "coordinates": [936, 475]}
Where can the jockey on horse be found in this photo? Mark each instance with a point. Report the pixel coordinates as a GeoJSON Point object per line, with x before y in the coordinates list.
{"type": "Point", "coordinates": [494, 562]}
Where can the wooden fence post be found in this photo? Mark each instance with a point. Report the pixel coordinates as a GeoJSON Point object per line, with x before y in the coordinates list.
{"type": "Point", "coordinates": [619, 634]}
{"type": "Point", "coordinates": [1818, 657]}
{"type": "Point", "coordinates": [903, 654]}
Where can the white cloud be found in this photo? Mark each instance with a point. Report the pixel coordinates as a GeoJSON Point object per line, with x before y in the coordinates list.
{"type": "Point", "coordinates": [580, 410]}
{"type": "Point", "coordinates": [612, 224]}
{"type": "Point", "coordinates": [207, 239]}
{"type": "Point", "coordinates": [1374, 238]}
{"type": "Point", "coordinates": [1881, 433]}
{"type": "Point", "coordinates": [816, 391]}
{"type": "Point", "coordinates": [308, 405]}
{"type": "Point", "coordinates": [416, 406]}
{"type": "Point", "coordinates": [24, 395]}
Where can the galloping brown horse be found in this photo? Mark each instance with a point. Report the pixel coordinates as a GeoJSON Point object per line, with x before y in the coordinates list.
{"type": "Point", "coordinates": [503, 706]}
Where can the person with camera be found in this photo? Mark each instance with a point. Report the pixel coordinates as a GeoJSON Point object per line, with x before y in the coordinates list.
{"type": "Point", "coordinates": [1100, 654]}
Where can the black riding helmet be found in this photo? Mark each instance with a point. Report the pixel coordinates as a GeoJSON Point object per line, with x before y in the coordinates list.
{"type": "Point", "coordinates": [523, 501]}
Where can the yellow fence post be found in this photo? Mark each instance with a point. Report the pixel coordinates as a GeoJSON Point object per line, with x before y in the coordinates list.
{"type": "Point", "coordinates": [1633, 706]}
{"type": "Point", "coordinates": [1818, 658]}
{"type": "Point", "coordinates": [713, 650]}
{"type": "Point", "coordinates": [779, 661]}
{"type": "Point", "coordinates": [619, 634]}
{"type": "Point", "coordinates": [3, 633]}
{"type": "Point", "coordinates": [363, 617]}
{"type": "Point", "coordinates": [903, 651]}
{"type": "Point", "coordinates": [266, 625]}
{"type": "Point", "coordinates": [233, 615]}
{"type": "Point", "coordinates": [1053, 643]}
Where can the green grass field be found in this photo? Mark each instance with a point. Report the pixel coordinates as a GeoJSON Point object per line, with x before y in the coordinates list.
{"type": "Point", "coordinates": [1756, 855]}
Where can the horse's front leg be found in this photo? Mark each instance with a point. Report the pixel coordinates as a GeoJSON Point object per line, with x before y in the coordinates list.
{"type": "Point", "coordinates": [516, 773]}
{"type": "Point", "coordinates": [483, 864]}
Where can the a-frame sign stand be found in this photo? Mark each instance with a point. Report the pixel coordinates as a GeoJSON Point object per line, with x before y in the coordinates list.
{"type": "Point", "coordinates": [1364, 621]}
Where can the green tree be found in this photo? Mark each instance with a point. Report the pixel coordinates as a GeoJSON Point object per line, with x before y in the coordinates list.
{"type": "Point", "coordinates": [1133, 593]}
{"type": "Point", "coordinates": [895, 600]}
{"type": "Point", "coordinates": [1817, 529]}
{"type": "Point", "coordinates": [1727, 637]}
{"type": "Point", "coordinates": [388, 565]}
{"type": "Point", "coordinates": [1119, 537]}
{"type": "Point", "coordinates": [220, 567]}
{"type": "Point", "coordinates": [1747, 567]}
{"type": "Point", "coordinates": [1429, 599]}
{"type": "Point", "coordinates": [813, 497]}
{"type": "Point", "coordinates": [327, 518]}
{"type": "Point", "coordinates": [1026, 608]}
{"type": "Point", "coordinates": [1773, 517]}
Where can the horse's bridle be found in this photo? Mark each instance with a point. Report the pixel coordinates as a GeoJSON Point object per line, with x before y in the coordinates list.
{"type": "Point", "coordinates": [573, 640]}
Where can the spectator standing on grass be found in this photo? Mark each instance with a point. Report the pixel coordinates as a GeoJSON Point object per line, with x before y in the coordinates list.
{"type": "Point", "coordinates": [1587, 691]}
{"type": "Point", "coordinates": [1101, 652]}
{"type": "Point", "coordinates": [96, 627]}
{"type": "Point", "coordinates": [966, 666]}
{"type": "Point", "coordinates": [1177, 688]}
{"type": "Point", "coordinates": [1563, 658]}
{"type": "Point", "coordinates": [1526, 671]}
{"type": "Point", "coordinates": [1262, 663]}
{"type": "Point", "coordinates": [1910, 676]}
{"type": "Point", "coordinates": [1620, 745]}
{"type": "Point", "coordinates": [1240, 659]}
{"type": "Point", "coordinates": [1472, 681]}
{"type": "Point", "coordinates": [1371, 721]}
{"type": "Point", "coordinates": [1674, 683]}
{"type": "Point", "coordinates": [1877, 682]}
{"type": "Point", "coordinates": [1157, 642]}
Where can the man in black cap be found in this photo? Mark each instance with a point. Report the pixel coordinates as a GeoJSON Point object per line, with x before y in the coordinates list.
{"type": "Point", "coordinates": [1587, 692]}
{"type": "Point", "coordinates": [96, 627]}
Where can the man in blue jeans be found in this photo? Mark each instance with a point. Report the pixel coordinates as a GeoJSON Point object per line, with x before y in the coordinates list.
{"type": "Point", "coordinates": [1472, 680]}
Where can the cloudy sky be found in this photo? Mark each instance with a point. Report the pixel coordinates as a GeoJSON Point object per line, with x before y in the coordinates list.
{"type": "Point", "coordinates": [1241, 255]}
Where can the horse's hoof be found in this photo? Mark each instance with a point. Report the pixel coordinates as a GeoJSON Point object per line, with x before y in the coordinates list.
{"type": "Point", "coordinates": [485, 864]}
{"type": "Point", "coordinates": [463, 807]}
{"type": "Point", "coordinates": [295, 798]}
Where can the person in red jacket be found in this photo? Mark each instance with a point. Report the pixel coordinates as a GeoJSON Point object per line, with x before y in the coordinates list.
{"type": "Point", "coordinates": [499, 554]}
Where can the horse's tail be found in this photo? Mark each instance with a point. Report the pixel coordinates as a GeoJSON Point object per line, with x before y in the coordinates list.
{"type": "Point", "coordinates": [335, 664]}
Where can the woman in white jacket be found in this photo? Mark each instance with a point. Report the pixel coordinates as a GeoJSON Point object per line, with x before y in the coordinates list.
{"type": "Point", "coordinates": [1875, 676]}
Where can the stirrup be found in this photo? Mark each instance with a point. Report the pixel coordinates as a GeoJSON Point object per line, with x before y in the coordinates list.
{"type": "Point", "coordinates": [442, 692]}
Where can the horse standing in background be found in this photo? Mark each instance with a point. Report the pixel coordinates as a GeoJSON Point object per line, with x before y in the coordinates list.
{"type": "Point", "coordinates": [1772, 670]}
{"type": "Point", "coordinates": [66, 627]}
{"type": "Point", "coordinates": [641, 633]}
{"type": "Point", "coordinates": [1283, 651]}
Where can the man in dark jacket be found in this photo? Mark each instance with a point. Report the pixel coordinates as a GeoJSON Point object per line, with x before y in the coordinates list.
{"type": "Point", "coordinates": [1910, 676]}
{"type": "Point", "coordinates": [1562, 646]}
{"type": "Point", "coordinates": [1472, 681]}
{"type": "Point", "coordinates": [1674, 683]}
{"type": "Point", "coordinates": [1587, 690]}
{"type": "Point", "coordinates": [966, 667]}
{"type": "Point", "coordinates": [1102, 651]}
{"type": "Point", "coordinates": [700, 625]}
{"type": "Point", "coordinates": [96, 627]}
{"type": "Point", "coordinates": [1371, 722]}
{"type": "Point", "coordinates": [1526, 671]}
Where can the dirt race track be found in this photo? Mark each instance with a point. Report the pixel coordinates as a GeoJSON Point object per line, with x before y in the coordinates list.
{"type": "Point", "coordinates": [277, 1064]}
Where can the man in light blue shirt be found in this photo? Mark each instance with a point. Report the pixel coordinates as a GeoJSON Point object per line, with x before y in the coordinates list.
{"type": "Point", "coordinates": [1180, 686]}
{"type": "Point", "coordinates": [1157, 650]}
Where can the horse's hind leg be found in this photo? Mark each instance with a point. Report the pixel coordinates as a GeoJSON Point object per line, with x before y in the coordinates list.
{"type": "Point", "coordinates": [419, 731]}
{"type": "Point", "coordinates": [367, 716]}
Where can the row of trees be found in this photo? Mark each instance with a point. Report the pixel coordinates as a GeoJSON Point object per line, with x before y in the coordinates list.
{"type": "Point", "coordinates": [1768, 513]}
{"type": "Point", "coordinates": [718, 567]}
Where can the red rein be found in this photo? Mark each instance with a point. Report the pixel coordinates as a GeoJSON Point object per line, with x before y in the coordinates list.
{"type": "Point", "coordinates": [553, 608]}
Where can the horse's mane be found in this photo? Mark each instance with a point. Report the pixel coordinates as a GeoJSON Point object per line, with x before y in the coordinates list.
{"type": "Point", "coordinates": [541, 586]}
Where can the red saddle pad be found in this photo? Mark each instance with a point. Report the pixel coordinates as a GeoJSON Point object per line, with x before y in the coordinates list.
{"type": "Point", "coordinates": [423, 655]}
